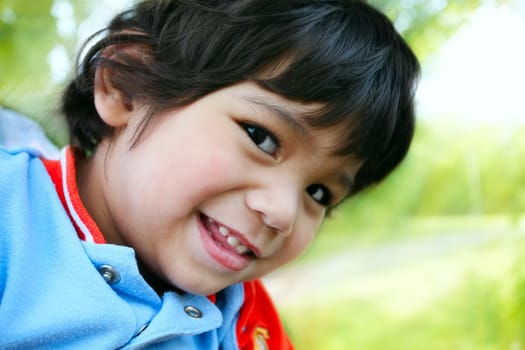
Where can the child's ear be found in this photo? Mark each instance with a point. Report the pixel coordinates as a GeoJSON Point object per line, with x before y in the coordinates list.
{"type": "Point", "coordinates": [113, 105]}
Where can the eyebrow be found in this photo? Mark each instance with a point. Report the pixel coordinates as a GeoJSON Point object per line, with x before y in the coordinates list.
{"type": "Point", "coordinates": [282, 113]}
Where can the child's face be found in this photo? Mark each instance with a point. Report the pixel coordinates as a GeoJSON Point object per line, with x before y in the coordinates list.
{"type": "Point", "coordinates": [224, 190]}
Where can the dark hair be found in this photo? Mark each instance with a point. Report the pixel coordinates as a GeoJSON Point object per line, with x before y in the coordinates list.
{"type": "Point", "coordinates": [345, 55]}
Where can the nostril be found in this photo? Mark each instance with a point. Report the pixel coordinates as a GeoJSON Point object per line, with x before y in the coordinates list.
{"type": "Point", "coordinates": [266, 220]}
{"type": "Point", "coordinates": [277, 208]}
{"type": "Point", "coordinates": [281, 226]}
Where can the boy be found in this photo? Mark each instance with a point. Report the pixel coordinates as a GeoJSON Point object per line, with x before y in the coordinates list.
{"type": "Point", "coordinates": [208, 140]}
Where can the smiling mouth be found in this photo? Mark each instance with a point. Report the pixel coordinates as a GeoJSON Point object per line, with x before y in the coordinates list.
{"type": "Point", "coordinates": [224, 238]}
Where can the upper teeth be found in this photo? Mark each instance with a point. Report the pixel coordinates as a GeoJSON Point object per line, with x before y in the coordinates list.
{"type": "Point", "coordinates": [233, 241]}
{"type": "Point", "coordinates": [224, 231]}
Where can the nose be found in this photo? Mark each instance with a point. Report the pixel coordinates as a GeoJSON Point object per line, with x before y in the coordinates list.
{"type": "Point", "coordinates": [276, 205]}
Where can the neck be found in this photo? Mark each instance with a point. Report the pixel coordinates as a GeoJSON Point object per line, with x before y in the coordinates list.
{"type": "Point", "coordinates": [91, 181]}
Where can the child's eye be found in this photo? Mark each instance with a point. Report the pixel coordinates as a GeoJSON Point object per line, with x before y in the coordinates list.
{"type": "Point", "coordinates": [262, 138]}
{"type": "Point", "coordinates": [320, 194]}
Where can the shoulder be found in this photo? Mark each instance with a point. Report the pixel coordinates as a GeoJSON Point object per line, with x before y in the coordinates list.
{"type": "Point", "coordinates": [28, 209]}
{"type": "Point", "coordinates": [19, 156]}
{"type": "Point", "coordinates": [19, 170]}
{"type": "Point", "coordinates": [18, 132]}
{"type": "Point", "coordinates": [16, 167]}
{"type": "Point", "coordinates": [27, 193]}
{"type": "Point", "coordinates": [28, 199]}
{"type": "Point", "coordinates": [259, 325]}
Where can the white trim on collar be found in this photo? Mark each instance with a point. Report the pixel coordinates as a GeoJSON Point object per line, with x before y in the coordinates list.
{"type": "Point", "coordinates": [64, 162]}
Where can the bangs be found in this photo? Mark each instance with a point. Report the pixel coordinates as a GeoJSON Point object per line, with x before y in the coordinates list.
{"type": "Point", "coordinates": [361, 97]}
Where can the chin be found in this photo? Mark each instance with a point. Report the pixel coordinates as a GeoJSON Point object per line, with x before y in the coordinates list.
{"type": "Point", "coordinates": [198, 289]}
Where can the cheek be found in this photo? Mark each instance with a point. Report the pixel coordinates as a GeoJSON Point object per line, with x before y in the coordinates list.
{"type": "Point", "coordinates": [184, 182]}
{"type": "Point", "coordinates": [301, 239]}
{"type": "Point", "coordinates": [209, 170]}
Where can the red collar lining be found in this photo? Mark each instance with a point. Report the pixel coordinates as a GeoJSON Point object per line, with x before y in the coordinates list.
{"type": "Point", "coordinates": [63, 175]}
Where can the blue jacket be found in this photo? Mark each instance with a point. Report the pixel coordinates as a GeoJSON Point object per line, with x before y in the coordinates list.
{"type": "Point", "coordinates": [59, 292]}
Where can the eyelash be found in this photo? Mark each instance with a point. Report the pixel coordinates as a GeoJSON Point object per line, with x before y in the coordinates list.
{"type": "Point", "coordinates": [261, 136]}
{"type": "Point", "coordinates": [326, 196]}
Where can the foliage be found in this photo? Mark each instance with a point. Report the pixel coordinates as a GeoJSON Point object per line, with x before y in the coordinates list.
{"type": "Point", "coordinates": [426, 24]}
{"type": "Point", "coordinates": [26, 37]}
{"type": "Point", "coordinates": [31, 32]}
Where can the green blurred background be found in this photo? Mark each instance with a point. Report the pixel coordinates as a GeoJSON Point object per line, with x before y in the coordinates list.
{"type": "Point", "coordinates": [429, 259]}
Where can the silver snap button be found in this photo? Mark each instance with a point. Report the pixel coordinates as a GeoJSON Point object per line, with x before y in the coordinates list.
{"type": "Point", "coordinates": [193, 311]}
{"type": "Point", "coordinates": [110, 275]}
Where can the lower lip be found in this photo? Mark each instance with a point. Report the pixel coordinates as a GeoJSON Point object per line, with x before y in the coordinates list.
{"type": "Point", "coordinates": [220, 254]}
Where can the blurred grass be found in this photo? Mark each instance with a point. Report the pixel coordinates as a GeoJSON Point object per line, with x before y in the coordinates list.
{"type": "Point", "coordinates": [473, 299]}
{"type": "Point", "coordinates": [339, 232]}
